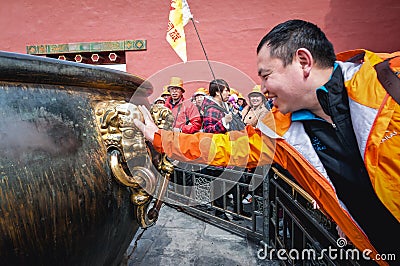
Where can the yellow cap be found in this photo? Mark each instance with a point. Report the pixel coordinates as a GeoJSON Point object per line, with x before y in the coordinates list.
{"type": "Point", "coordinates": [201, 91]}
{"type": "Point", "coordinates": [176, 82]}
{"type": "Point", "coordinates": [240, 96]}
{"type": "Point", "coordinates": [165, 92]}
{"type": "Point", "coordinates": [256, 90]}
{"type": "Point", "coordinates": [233, 91]}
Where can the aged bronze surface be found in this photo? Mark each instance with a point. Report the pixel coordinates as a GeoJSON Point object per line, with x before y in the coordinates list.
{"type": "Point", "coordinates": [130, 159]}
{"type": "Point", "coordinates": [59, 201]}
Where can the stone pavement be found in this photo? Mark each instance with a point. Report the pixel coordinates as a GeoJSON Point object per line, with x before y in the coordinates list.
{"type": "Point", "coordinates": [180, 239]}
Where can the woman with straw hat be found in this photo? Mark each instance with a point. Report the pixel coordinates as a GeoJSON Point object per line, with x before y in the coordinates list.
{"type": "Point", "coordinates": [257, 107]}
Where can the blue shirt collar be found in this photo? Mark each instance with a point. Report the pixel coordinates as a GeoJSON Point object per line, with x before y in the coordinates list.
{"type": "Point", "coordinates": [304, 115]}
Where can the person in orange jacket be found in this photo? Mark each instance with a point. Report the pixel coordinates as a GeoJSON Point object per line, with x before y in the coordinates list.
{"type": "Point", "coordinates": [334, 127]}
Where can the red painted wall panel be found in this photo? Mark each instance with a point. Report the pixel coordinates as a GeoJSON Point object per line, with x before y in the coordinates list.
{"type": "Point", "coordinates": [230, 29]}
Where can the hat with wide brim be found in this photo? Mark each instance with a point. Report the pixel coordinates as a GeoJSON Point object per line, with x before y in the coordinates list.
{"type": "Point", "coordinates": [256, 91]}
{"type": "Point", "coordinates": [165, 91]}
{"type": "Point", "coordinates": [176, 82]}
{"type": "Point", "coordinates": [233, 91]}
{"type": "Point", "coordinates": [201, 91]}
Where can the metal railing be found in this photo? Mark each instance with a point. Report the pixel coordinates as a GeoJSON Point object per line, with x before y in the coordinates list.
{"type": "Point", "coordinates": [281, 216]}
{"type": "Point", "coordinates": [298, 226]}
{"type": "Point", "coordinates": [192, 190]}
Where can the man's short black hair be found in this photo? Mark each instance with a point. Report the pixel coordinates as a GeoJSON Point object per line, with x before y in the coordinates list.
{"type": "Point", "coordinates": [286, 38]}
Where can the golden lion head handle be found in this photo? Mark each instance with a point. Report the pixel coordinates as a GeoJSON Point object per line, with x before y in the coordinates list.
{"type": "Point", "coordinates": [130, 158]}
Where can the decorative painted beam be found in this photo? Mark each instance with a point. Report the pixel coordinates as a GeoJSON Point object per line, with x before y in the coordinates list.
{"type": "Point", "coordinates": [127, 45]}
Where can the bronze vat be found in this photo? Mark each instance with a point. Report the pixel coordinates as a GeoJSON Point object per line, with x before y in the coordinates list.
{"type": "Point", "coordinates": [59, 201]}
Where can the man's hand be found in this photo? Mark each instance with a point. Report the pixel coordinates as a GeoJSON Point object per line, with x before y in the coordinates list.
{"type": "Point", "coordinates": [148, 128]}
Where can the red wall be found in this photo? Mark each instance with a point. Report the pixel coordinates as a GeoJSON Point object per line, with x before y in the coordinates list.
{"type": "Point", "coordinates": [230, 29]}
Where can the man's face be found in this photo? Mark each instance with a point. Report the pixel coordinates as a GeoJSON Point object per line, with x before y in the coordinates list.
{"type": "Point", "coordinates": [284, 85]}
{"type": "Point", "coordinates": [176, 93]}
{"type": "Point", "coordinates": [225, 95]}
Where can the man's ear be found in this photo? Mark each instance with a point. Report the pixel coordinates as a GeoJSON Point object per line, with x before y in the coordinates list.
{"type": "Point", "coordinates": [305, 59]}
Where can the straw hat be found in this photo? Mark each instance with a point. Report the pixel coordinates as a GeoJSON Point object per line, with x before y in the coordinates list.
{"type": "Point", "coordinates": [176, 82]}
{"type": "Point", "coordinates": [201, 91]}
{"type": "Point", "coordinates": [240, 96]}
{"type": "Point", "coordinates": [233, 91]}
{"type": "Point", "coordinates": [256, 90]}
{"type": "Point", "coordinates": [165, 92]}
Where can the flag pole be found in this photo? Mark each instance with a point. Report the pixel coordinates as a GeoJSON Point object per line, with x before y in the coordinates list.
{"type": "Point", "coordinates": [202, 46]}
{"type": "Point", "coordinates": [208, 61]}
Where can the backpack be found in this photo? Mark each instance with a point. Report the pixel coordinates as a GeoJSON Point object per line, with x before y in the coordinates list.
{"type": "Point", "coordinates": [236, 124]}
{"type": "Point", "coordinates": [388, 73]}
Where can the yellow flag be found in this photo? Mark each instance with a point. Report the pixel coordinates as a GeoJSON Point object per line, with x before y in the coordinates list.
{"type": "Point", "coordinates": [175, 33]}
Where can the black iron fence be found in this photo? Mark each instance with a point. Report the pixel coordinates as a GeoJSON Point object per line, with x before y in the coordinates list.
{"type": "Point", "coordinates": [297, 226]}
{"type": "Point", "coordinates": [277, 212]}
{"type": "Point", "coordinates": [196, 189]}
